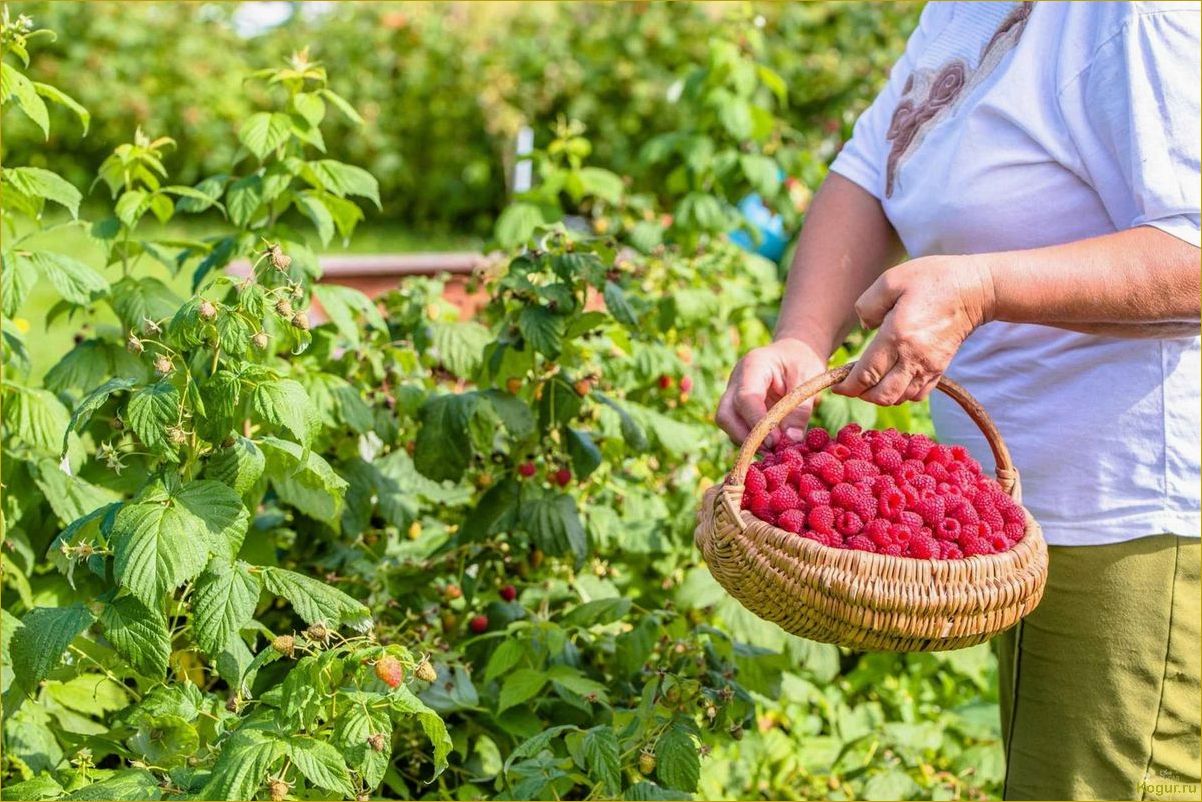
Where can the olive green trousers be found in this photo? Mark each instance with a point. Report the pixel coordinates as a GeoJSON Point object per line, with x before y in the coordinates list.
{"type": "Point", "coordinates": [1099, 686]}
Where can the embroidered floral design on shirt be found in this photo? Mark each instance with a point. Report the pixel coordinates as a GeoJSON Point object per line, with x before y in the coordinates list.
{"type": "Point", "coordinates": [930, 95]}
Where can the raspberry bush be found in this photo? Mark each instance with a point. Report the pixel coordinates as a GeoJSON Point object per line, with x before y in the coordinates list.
{"type": "Point", "coordinates": [257, 547]}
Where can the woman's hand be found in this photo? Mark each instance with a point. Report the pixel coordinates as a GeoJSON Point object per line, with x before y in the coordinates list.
{"type": "Point", "coordinates": [760, 379]}
{"type": "Point", "coordinates": [925, 308]}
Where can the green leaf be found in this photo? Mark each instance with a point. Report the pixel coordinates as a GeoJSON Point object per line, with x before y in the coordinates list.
{"type": "Point", "coordinates": [131, 784]}
{"type": "Point", "coordinates": [598, 611]}
{"type": "Point", "coordinates": [602, 183]}
{"type": "Point", "coordinates": [601, 756]}
{"type": "Point", "coordinates": [321, 764]}
{"type": "Point", "coordinates": [150, 411]}
{"type": "Point", "coordinates": [17, 278]}
{"type": "Point", "coordinates": [339, 103]}
{"type": "Point", "coordinates": [242, 767]}
{"type": "Point", "coordinates": [678, 765]}
{"type": "Point", "coordinates": [443, 448]}
{"type": "Point", "coordinates": [890, 785]}
{"type": "Point", "coordinates": [263, 132]}
{"type": "Point", "coordinates": [40, 787]}
{"type": "Point", "coordinates": [460, 346]}
{"type": "Point", "coordinates": [56, 95]}
{"type": "Point", "coordinates": [13, 83]}
{"type": "Point", "coordinates": [165, 740]}
{"type": "Point", "coordinates": [75, 282]}
{"type": "Point", "coordinates": [618, 305]}
{"type": "Point", "coordinates": [45, 633]}
{"type": "Point", "coordinates": [404, 702]}
{"type": "Point", "coordinates": [311, 206]}
{"type": "Point", "coordinates": [585, 455]}
{"type": "Point", "coordinates": [520, 686]}
{"type": "Point", "coordinates": [517, 223]}
{"type": "Point", "coordinates": [762, 173]}
{"type": "Point", "coordinates": [39, 183]}
{"type": "Point", "coordinates": [554, 525]}
{"type": "Point", "coordinates": [35, 418]}
{"type": "Point", "coordinates": [243, 198]}
{"type": "Point", "coordinates": [315, 601]}
{"type": "Point", "coordinates": [139, 634]}
{"type": "Point", "coordinates": [92, 402]}
{"type": "Point", "coordinates": [645, 791]}
{"type": "Point", "coordinates": [305, 480]}
{"type": "Point", "coordinates": [69, 496]}
{"type": "Point", "coordinates": [343, 179]}
{"type": "Point", "coordinates": [284, 402]}
{"type": "Point", "coordinates": [344, 306]}
{"type": "Point", "coordinates": [223, 602]}
{"type": "Point", "coordinates": [240, 465]}
{"type": "Point", "coordinates": [504, 657]}
{"type": "Point", "coordinates": [543, 329]}
{"type": "Point", "coordinates": [359, 720]}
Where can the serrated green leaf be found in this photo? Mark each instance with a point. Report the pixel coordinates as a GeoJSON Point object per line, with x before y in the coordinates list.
{"type": "Point", "coordinates": [678, 764]}
{"type": "Point", "coordinates": [315, 601]}
{"type": "Point", "coordinates": [321, 764]}
{"type": "Point", "coordinates": [284, 402]}
{"type": "Point", "coordinates": [443, 447]}
{"type": "Point", "coordinates": [241, 768]}
{"type": "Point", "coordinates": [263, 132]}
{"type": "Point", "coordinates": [40, 183]}
{"type": "Point", "coordinates": [460, 346]}
{"type": "Point", "coordinates": [76, 282]}
{"type": "Point", "coordinates": [131, 784]}
{"type": "Point", "coordinates": [150, 411]}
{"type": "Point", "coordinates": [243, 198]}
{"type": "Point", "coordinates": [305, 480]}
{"type": "Point", "coordinates": [223, 602]}
{"type": "Point", "coordinates": [554, 525]}
{"type": "Point", "coordinates": [240, 465]}
{"type": "Point", "coordinates": [359, 720]}
{"type": "Point", "coordinates": [46, 632]}
{"type": "Point", "coordinates": [520, 686]}
{"type": "Point", "coordinates": [601, 755]}
{"type": "Point", "coordinates": [139, 634]}
{"type": "Point", "coordinates": [543, 329]}
{"type": "Point", "coordinates": [343, 179]}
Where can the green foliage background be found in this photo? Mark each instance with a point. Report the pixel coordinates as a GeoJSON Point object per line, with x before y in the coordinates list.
{"type": "Point", "coordinates": [220, 519]}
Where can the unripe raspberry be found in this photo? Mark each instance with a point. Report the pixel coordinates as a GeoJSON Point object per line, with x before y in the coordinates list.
{"type": "Point", "coordinates": [527, 469]}
{"type": "Point", "coordinates": [478, 624]}
{"type": "Point", "coordinates": [686, 384]}
{"type": "Point", "coordinates": [646, 763]}
{"type": "Point", "coordinates": [259, 341]}
{"type": "Point", "coordinates": [284, 644]}
{"type": "Point", "coordinates": [207, 311]}
{"type": "Point", "coordinates": [452, 592]}
{"type": "Point", "coordinates": [821, 519]}
{"type": "Point", "coordinates": [133, 344]}
{"type": "Point", "coordinates": [817, 439]}
{"type": "Point", "coordinates": [792, 521]}
{"type": "Point", "coordinates": [377, 741]}
{"type": "Point", "coordinates": [283, 308]}
{"type": "Point", "coordinates": [849, 524]}
{"type": "Point", "coordinates": [582, 387]}
{"type": "Point", "coordinates": [390, 671]}
{"type": "Point", "coordinates": [300, 321]}
{"type": "Point", "coordinates": [508, 593]}
{"type": "Point", "coordinates": [425, 672]}
{"type": "Point", "coordinates": [278, 790]}
{"type": "Point", "coordinates": [163, 364]}
{"type": "Point", "coordinates": [562, 477]}
{"type": "Point", "coordinates": [279, 260]}
{"type": "Point", "coordinates": [319, 633]}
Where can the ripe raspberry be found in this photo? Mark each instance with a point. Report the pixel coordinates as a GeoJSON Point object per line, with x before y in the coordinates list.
{"type": "Point", "coordinates": [755, 480]}
{"type": "Point", "coordinates": [891, 502]}
{"type": "Point", "coordinates": [918, 446]}
{"type": "Point", "coordinates": [508, 593]}
{"type": "Point", "coordinates": [948, 529]}
{"type": "Point", "coordinates": [784, 498]}
{"type": "Point", "coordinates": [390, 671]}
{"type": "Point", "coordinates": [818, 498]}
{"type": "Point", "coordinates": [817, 439]}
{"type": "Point", "coordinates": [1012, 513]}
{"type": "Point", "coordinates": [888, 459]}
{"type": "Point", "coordinates": [792, 521]}
{"type": "Point", "coordinates": [792, 456]}
{"type": "Point", "coordinates": [856, 469]}
{"type": "Point", "coordinates": [938, 472]}
{"type": "Point", "coordinates": [807, 483]}
{"type": "Point", "coordinates": [563, 476]}
{"type": "Point", "coordinates": [839, 451]}
{"type": "Point", "coordinates": [960, 454]}
{"type": "Point", "coordinates": [878, 531]}
{"type": "Point", "coordinates": [924, 484]}
{"type": "Point", "coordinates": [962, 510]}
{"type": "Point", "coordinates": [939, 455]}
{"type": "Point", "coordinates": [527, 469]}
{"type": "Point", "coordinates": [923, 547]}
{"type": "Point", "coordinates": [991, 519]}
{"type": "Point", "coordinates": [478, 624]}
{"type": "Point", "coordinates": [948, 490]}
{"type": "Point", "coordinates": [909, 472]}
{"type": "Point", "coordinates": [852, 431]}
{"type": "Point", "coordinates": [826, 467]}
{"type": "Point", "coordinates": [882, 483]}
{"type": "Point", "coordinates": [895, 439]}
{"type": "Point", "coordinates": [821, 519]}
{"type": "Point", "coordinates": [817, 537]}
{"type": "Point", "coordinates": [949, 551]}
{"type": "Point", "coordinates": [893, 549]}
{"type": "Point", "coordinates": [976, 546]}
{"type": "Point", "coordinates": [849, 524]}
{"type": "Point", "coordinates": [844, 496]}
{"type": "Point", "coordinates": [961, 476]}
{"type": "Point", "coordinates": [860, 449]}
{"type": "Point", "coordinates": [932, 508]}
{"type": "Point", "coordinates": [860, 543]}
{"type": "Point", "coordinates": [665, 382]}
{"type": "Point", "coordinates": [760, 508]}
{"type": "Point", "coordinates": [900, 533]}
{"type": "Point", "coordinates": [1000, 543]}
{"type": "Point", "coordinates": [777, 476]}
{"type": "Point", "coordinates": [686, 384]}
{"type": "Point", "coordinates": [1014, 532]}
{"type": "Point", "coordinates": [910, 519]}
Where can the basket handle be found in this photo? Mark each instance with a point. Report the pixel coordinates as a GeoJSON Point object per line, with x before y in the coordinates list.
{"type": "Point", "coordinates": [1007, 475]}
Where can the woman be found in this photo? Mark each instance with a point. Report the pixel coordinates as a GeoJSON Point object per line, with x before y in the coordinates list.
{"type": "Point", "coordinates": [1039, 163]}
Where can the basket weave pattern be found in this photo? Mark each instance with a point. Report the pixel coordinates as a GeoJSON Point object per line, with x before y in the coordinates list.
{"type": "Point", "coordinates": [859, 599]}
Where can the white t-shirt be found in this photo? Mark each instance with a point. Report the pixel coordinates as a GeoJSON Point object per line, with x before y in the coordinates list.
{"type": "Point", "coordinates": [1017, 125]}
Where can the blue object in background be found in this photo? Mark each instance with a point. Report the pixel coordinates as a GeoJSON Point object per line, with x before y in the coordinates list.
{"type": "Point", "coordinates": [771, 228]}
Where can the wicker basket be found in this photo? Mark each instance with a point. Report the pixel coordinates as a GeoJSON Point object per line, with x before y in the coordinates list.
{"type": "Point", "coordinates": [859, 599]}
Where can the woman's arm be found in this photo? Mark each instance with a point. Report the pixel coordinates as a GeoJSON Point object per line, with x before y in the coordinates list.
{"type": "Point", "coordinates": [1136, 283]}
{"type": "Point", "coordinates": [844, 246]}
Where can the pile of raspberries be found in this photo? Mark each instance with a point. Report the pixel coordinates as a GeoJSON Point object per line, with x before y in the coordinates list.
{"type": "Point", "coordinates": [884, 492]}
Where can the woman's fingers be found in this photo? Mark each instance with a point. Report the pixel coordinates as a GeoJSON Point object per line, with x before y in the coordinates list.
{"type": "Point", "coordinates": [892, 388]}
{"type": "Point", "coordinates": [795, 423]}
{"type": "Point", "coordinates": [874, 364]}
{"type": "Point", "coordinates": [728, 419]}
